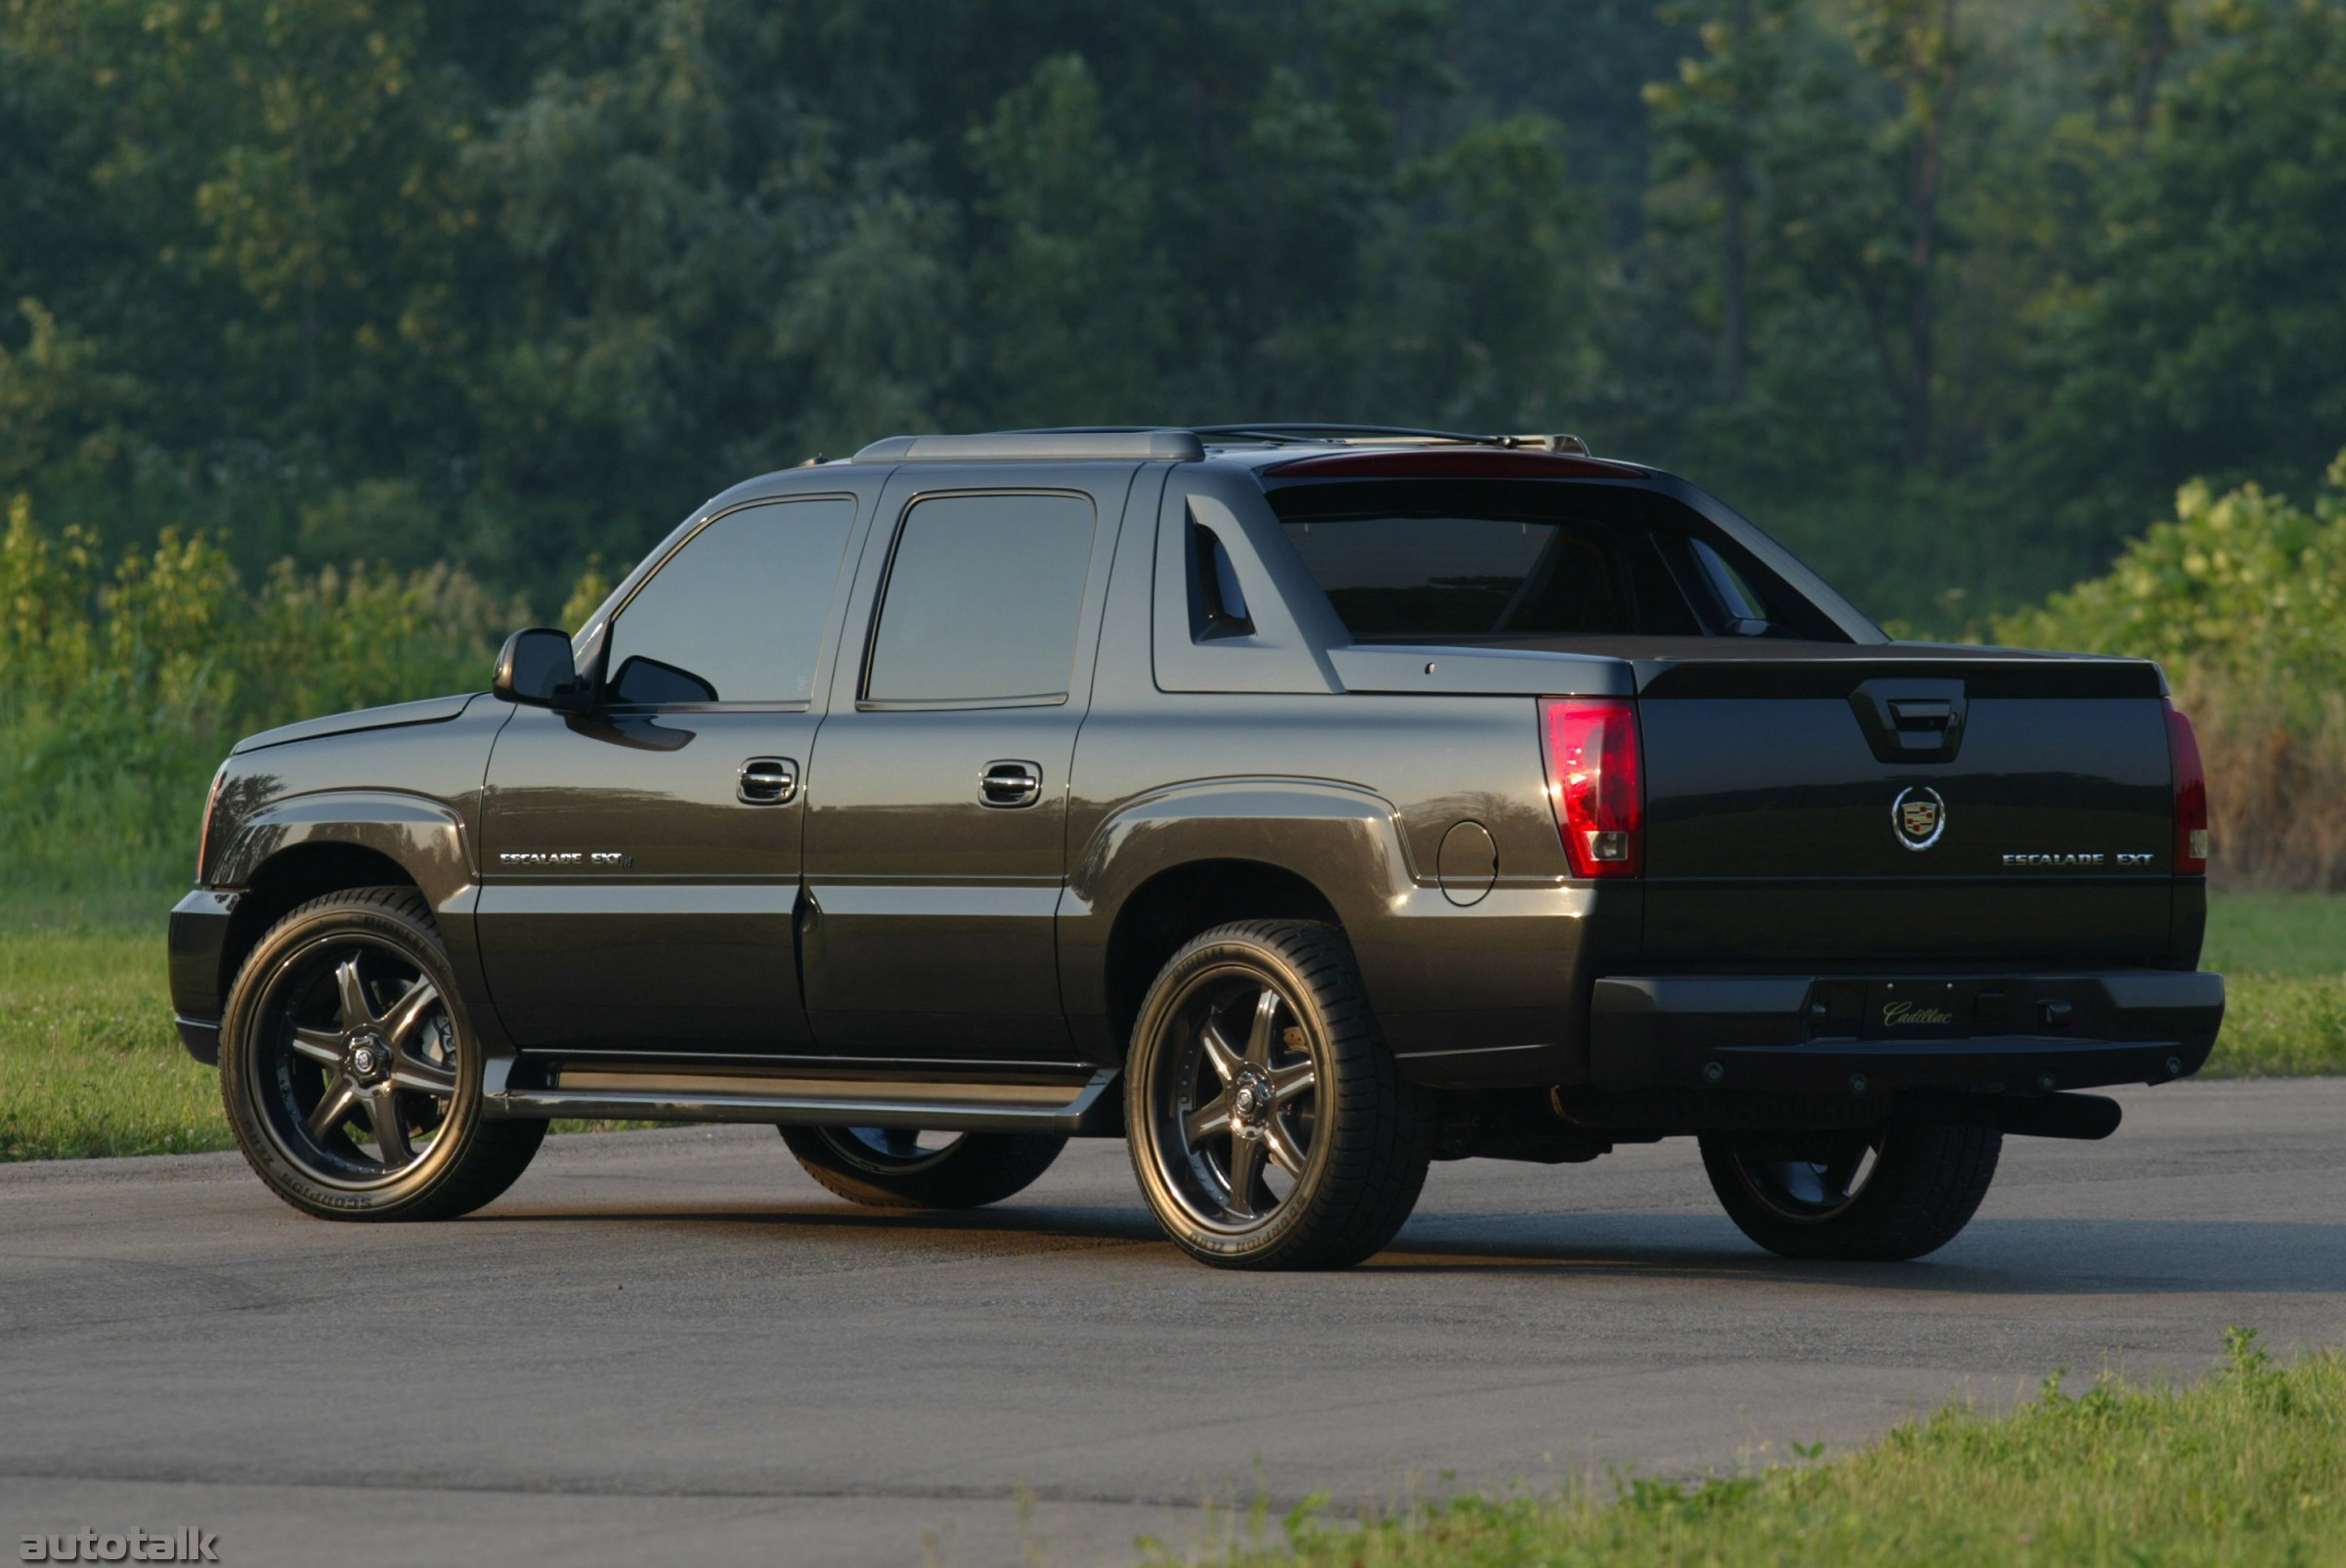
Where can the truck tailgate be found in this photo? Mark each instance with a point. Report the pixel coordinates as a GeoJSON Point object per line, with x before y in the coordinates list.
{"type": "Point", "coordinates": [1936, 809]}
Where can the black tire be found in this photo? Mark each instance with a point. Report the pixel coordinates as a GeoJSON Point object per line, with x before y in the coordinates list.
{"type": "Point", "coordinates": [1314, 1096]}
{"type": "Point", "coordinates": [882, 1169]}
{"type": "Point", "coordinates": [1881, 1197]}
{"type": "Point", "coordinates": [344, 1020]}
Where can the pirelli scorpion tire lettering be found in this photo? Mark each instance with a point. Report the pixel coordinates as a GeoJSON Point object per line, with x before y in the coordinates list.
{"type": "Point", "coordinates": [1268, 1125]}
{"type": "Point", "coordinates": [887, 1167]}
{"type": "Point", "coordinates": [352, 1080]}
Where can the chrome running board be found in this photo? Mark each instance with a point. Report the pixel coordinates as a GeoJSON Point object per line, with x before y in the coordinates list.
{"type": "Point", "coordinates": [1069, 1111]}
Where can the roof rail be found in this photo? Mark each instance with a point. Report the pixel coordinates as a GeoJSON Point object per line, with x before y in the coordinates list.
{"type": "Point", "coordinates": [1384, 434]}
{"type": "Point", "coordinates": [1285, 431]}
{"type": "Point", "coordinates": [1041, 446]}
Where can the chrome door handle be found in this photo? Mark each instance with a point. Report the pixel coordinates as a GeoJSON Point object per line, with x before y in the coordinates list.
{"type": "Point", "coordinates": [1010, 784]}
{"type": "Point", "coordinates": [767, 781]}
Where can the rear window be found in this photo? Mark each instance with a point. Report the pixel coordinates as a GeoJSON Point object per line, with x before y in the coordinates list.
{"type": "Point", "coordinates": [1410, 559]}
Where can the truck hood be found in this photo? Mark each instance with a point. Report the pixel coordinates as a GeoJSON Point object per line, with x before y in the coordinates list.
{"type": "Point", "coordinates": [428, 711]}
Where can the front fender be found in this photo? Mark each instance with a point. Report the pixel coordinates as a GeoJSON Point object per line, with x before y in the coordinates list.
{"type": "Point", "coordinates": [423, 836]}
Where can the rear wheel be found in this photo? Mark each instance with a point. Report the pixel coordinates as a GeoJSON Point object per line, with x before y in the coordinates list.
{"type": "Point", "coordinates": [1881, 1196]}
{"type": "Point", "coordinates": [1269, 1127]}
{"type": "Point", "coordinates": [350, 1077]}
{"type": "Point", "coordinates": [888, 1167]}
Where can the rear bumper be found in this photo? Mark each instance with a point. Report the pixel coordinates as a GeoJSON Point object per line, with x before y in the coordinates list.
{"type": "Point", "coordinates": [198, 937]}
{"type": "Point", "coordinates": [1803, 1035]}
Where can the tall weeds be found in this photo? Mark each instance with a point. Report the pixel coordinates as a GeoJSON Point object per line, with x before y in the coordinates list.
{"type": "Point", "coordinates": [122, 685]}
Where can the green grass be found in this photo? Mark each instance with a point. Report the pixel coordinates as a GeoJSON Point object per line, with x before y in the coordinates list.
{"type": "Point", "coordinates": [2245, 1467]}
{"type": "Point", "coordinates": [2283, 959]}
{"type": "Point", "coordinates": [90, 1063]}
{"type": "Point", "coordinates": [2295, 935]}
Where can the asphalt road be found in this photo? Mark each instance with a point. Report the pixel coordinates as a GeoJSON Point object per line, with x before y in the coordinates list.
{"type": "Point", "coordinates": [672, 1344]}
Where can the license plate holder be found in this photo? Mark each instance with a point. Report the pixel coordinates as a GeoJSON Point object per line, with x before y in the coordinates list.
{"type": "Point", "coordinates": [1912, 1010]}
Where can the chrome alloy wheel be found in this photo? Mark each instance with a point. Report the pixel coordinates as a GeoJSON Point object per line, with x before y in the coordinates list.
{"type": "Point", "coordinates": [356, 1072]}
{"type": "Point", "coordinates": [1233, 1122]}
{"type": "Point", "coordinates": [1812, 1180]}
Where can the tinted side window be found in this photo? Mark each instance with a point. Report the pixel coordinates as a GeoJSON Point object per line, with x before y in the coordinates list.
{"type": "Point", "coordinates": [737, 614]}
{"type": "Point", "coordinates": [982, 599]}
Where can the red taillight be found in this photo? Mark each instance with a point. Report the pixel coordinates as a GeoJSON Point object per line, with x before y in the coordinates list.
{"type": "Point", "coordinates": [1592, 782]}
{"type": "Point", "coordinates": [2191, 795]}
{"type": "Point", "coordinates": [203, 837]}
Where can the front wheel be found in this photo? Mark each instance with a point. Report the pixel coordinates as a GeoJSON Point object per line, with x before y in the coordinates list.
{"type": "Point", "coordinates": [349, 1075]}
{"type": "Point", "coordinates": [1269, 1127]}
{"type": "Point", "coordinates": [1882, 1196]}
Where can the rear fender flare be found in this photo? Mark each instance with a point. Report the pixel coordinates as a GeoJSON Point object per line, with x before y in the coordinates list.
{"type": "Point", "coordinates": [1340, 839]}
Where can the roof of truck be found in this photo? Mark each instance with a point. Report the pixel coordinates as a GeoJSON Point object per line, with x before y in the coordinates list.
{"type": "Point", "coordinates": [1325, 451]}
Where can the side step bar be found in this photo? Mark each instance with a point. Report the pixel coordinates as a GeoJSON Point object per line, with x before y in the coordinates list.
{"type": "Point", "coordinates": [1090, 1109]}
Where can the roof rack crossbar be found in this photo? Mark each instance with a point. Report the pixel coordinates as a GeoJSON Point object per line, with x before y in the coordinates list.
{"type": "Point", "coordinates": [1370, 433]}
{"type": "Point", "coordinates": [1041, 446]}
{"type": "Point", "coordinates": [1277, 429]}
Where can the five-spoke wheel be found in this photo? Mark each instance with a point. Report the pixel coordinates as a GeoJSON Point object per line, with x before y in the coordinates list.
{"type": "Point", "coordinates": [380, 1053]}
{"type": "Point", "coordinates": [1269, 1128]}
{"type": "Point", "coordinates": [348, 1073]}
{"type": "Point", "coordinates": [1235, 1121]}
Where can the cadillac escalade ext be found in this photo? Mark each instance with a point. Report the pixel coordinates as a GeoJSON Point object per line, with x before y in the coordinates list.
{"type": "Point", "coordinates": [1300, 804]}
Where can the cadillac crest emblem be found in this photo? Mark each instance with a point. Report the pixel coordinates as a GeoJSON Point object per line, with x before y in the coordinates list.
{"type": "Point", "coordinates": [1919, 816]}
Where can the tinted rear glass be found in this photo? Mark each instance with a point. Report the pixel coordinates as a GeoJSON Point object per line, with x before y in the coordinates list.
{"type": "Point", "coordinates": [1405, 560]}
{"type": "Point", "coordinates": [1478, 576]}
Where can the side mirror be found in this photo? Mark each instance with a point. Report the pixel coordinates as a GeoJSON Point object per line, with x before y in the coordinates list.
{"type": "Point", "coordinates": [534, 667]}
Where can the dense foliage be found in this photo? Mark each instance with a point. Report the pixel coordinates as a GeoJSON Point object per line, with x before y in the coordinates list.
{"type": "Point", "coordinates": [124, 685]}
{"type": "Point", "coordinates": [1952, 293]}
{"type": "Point", "coordinates": [2242, 598]}
{"type": "Point", "coordinates": [2240, 585]}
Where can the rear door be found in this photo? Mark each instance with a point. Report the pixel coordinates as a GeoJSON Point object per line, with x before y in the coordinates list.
{"type": "Point", "coordinates": [641, 862]}
{"type": "Point", "coordinates": [935, 839]}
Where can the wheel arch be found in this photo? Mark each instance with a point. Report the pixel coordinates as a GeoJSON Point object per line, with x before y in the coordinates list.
{"type": "Point", "coordinates": [1182, 860]}
{"type": "Point", "coordinates": [1180, 902]}
{"type": "Point", "coordinates": [309, 846]}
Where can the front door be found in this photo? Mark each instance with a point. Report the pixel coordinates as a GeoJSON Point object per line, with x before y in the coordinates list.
{"type": "Point", "coordinates": [641, 862]}
{"type": "Point", "coordinates": [936, 840]}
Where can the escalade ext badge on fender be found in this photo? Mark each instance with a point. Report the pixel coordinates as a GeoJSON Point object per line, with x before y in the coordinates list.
{"type": "Point", "coordinates": [1300, 804]}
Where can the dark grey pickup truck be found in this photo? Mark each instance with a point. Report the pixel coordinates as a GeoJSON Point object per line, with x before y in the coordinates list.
{"type": "Point", "coordinates": [1301, 803]}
